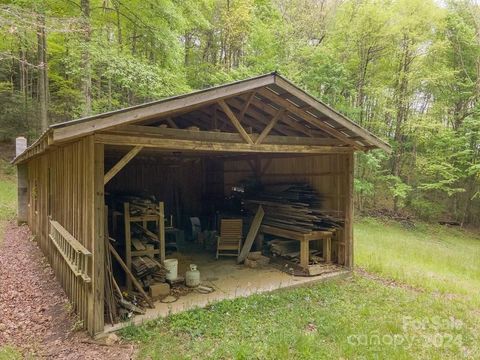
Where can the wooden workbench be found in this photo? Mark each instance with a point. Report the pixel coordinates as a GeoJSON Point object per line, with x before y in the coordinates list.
{"type": "Point", "coordinates": [324, 236]}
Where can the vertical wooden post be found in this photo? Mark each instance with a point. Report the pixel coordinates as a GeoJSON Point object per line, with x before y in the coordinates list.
{"type": "Point", "coordinates": [98, 278]}
{"type": "Point", "coordinates": [304, 253]}
{"type": "Point", "coordinates": [348, 232]}
{"type": "Point", "coordinates": [128, 241]}
{"type": "Point", "coordinates": [161, 230]}
{"type": "Point", "coordinates": [22, 193]}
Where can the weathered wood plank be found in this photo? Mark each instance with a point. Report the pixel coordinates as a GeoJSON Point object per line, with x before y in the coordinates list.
{"type": "Point", "coordinates": [121, 163]}
{"type": "Point", "coordinates": [98, 266]}
{"type": "Point", "coordinates": [215, 136]}
{"type": "Point", "coordinates": [188, 145]}
{"type": "Point", "coordinates": [269, 127]}
{"type": "Point", "coordinates": [308, 117]}
{"type": "Point", "coordinates": [236, 123]}
{"type": "Point", "coordinates": [161, 108]}
{"type": "Point", "coordinates": [252, 233]}
{"type": "Point", "coordinates": [246, 105]}
{"type": "Point", "coordinates": [132, 278]}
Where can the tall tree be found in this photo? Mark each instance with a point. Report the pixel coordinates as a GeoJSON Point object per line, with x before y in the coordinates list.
{"type": "Point", "coordinates": [86, 67]}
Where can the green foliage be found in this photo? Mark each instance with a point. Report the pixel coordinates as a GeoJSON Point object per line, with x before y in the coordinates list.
{"type": "Point", "coordinates": [399, 190]}
{"type": "Point", "coordinates": [425, 209]}
{"type": "Point", "coordinates": [403, 69]}
{"type": "Point", "coordinates": [8, 192]}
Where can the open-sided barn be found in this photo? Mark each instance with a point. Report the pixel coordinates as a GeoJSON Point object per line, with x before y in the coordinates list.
{"type": "Point", "coordinates": [197, 158]}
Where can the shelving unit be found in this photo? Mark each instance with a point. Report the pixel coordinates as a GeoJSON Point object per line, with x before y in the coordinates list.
{"type": "Point", "coordinates": [159, 219]}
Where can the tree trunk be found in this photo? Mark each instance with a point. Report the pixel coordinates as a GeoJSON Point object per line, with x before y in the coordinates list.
{"type": "Point", "coordinates": [42, 73]}
{"type": "Point", "coordinates": [86, 67]}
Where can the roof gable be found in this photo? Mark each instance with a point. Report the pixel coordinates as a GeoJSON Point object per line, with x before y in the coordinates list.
{"type": "Point", "coordinates": [267, 102]}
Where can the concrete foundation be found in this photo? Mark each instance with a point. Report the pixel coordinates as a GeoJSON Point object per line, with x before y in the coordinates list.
{"type": "Point", "coordinates": [229, 281]}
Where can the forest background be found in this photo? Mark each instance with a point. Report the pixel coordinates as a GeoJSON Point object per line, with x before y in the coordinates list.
{"type": "Point", "coordinates": [407, 70]}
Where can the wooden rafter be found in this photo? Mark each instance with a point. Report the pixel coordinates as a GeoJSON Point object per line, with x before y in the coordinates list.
{"type": "Point", "coordinates": [171, 123]}
{"type": "Point", "coordinates": [246, 105]}
{"type": "Point", "coordinates": [269, 127]}
{"type": "Point", "coordinates": [226, 109]}
{"type": "Point", "coordinates": [290, 122]}
{"type": "Point", "coordinates": [121, 163]}
{"type": "Point", "coordinates": [259, 117]}
{"type": "Point", "coordinates": [330, 113]}
{"type": "Point", "coordinates": [222, 123]}
{"type": "Point", "coordinates": [307, 117]}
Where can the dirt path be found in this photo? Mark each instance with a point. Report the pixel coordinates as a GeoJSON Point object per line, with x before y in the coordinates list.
{"type": "Point", "coordinates": [34, 313]}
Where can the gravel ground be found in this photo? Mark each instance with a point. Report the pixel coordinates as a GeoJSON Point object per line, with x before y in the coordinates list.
{"type": "Point", "coordinates": [34, 314]}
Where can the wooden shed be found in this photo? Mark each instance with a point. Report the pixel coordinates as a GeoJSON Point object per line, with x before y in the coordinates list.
{"type": "Point", "coordinates": [188, 151]}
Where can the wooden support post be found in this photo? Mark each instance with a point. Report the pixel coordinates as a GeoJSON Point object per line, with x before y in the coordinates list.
{"type": "Point", "coordinates": [348, 167]}
{"type": "Point", "coordinates": [269, 127]}
{"type": "Point", "coordinates": [304, 253]}
{"type": "Point", "coordinates": [22, 193]}
{"type": "Point", "coordinates": [128, 241]}
{"type": "Point", "coordinates": [161, 229]}
{"type": "Point", "coordinates": [226, 109]}
{"type": "Point", "coordinates": [121, 163]}
{"type": "Point", "coordinates": [327, 249]}
{"type": "Point", "coordinates": [98, 253]}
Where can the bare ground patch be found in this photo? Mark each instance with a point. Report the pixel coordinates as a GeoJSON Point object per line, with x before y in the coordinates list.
{"type": "Point", "coordinates": [34, 310]}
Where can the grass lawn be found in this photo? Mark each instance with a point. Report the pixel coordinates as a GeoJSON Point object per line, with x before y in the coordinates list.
{"type": "Point", "coordinates": [431, 257]}
{"type": "Point", "coordinates": [8, 195]}
{"type": "Point", "coordinates": [432, 312]}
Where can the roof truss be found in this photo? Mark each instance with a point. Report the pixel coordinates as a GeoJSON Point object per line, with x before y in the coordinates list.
{"type": "Point", "coordinates": [257, 111]}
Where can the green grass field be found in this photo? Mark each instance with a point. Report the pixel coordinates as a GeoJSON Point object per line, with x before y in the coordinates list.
{"type": "Point", "coordinates": [417, 300]}
{"type": "Point", "coordinates": [8, 195]}
{"type": "Point", "coordinates": [431, 257]}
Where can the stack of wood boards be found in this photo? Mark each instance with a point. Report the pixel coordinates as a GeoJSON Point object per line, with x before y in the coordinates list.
{"type": "Point", "coordinates": [143, 207]}
{"type": "Point", "coordinates": [148, 270]}
{"type": "Point", "coordinates": [295, 207]}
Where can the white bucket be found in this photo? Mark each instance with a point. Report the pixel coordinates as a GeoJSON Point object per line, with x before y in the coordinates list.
{"type": "Point", "coordinates": [172, 268]}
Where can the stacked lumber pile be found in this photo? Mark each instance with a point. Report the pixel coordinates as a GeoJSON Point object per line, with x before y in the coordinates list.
{"type": "Point", "coordinates": [293, 206]}
{"type": "Point", "coordinates": [142, 206]}
{"type": "Point", "coordinates": [148, 270]}
{"type": "Point", "coordinates": [290, 250]}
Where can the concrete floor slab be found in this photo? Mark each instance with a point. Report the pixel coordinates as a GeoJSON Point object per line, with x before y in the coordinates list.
{"type": "Point", "coordinates": [229, 281]}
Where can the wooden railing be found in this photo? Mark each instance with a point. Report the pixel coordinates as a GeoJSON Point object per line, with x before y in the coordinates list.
{"type": "Point", "coordinates": [76, 256]}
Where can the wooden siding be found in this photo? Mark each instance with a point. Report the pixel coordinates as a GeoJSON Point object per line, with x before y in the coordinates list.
{"type": "Point", "coordinates": [172, 181]}
{"type": "Point", "coordinates": [61, 188]}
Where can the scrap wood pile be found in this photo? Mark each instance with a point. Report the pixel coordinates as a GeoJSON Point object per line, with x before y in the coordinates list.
{"type": "Point", "coordinates": [143, 206]}
{"type": "Point", "coordinates": [290, 250]}
{"type": "Point", "coordinates": [293, 206]}
{"type": "Point", "coordinates": [148, 270]}
{"type": "Point", "coordinates": [121, 305]}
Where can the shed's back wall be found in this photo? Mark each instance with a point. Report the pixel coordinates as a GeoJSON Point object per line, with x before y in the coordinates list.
{"type": "Point", "coordinates": [179, 183]}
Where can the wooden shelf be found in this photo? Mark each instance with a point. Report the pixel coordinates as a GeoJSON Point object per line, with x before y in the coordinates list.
{"type": "Point", "coordinates": [160, 250]}
{"type": "Point", "coordinates": [144, 218]}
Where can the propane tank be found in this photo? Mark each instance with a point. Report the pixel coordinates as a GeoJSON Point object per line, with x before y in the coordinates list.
{"type": "Point", "coordinates": [192, 276]}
